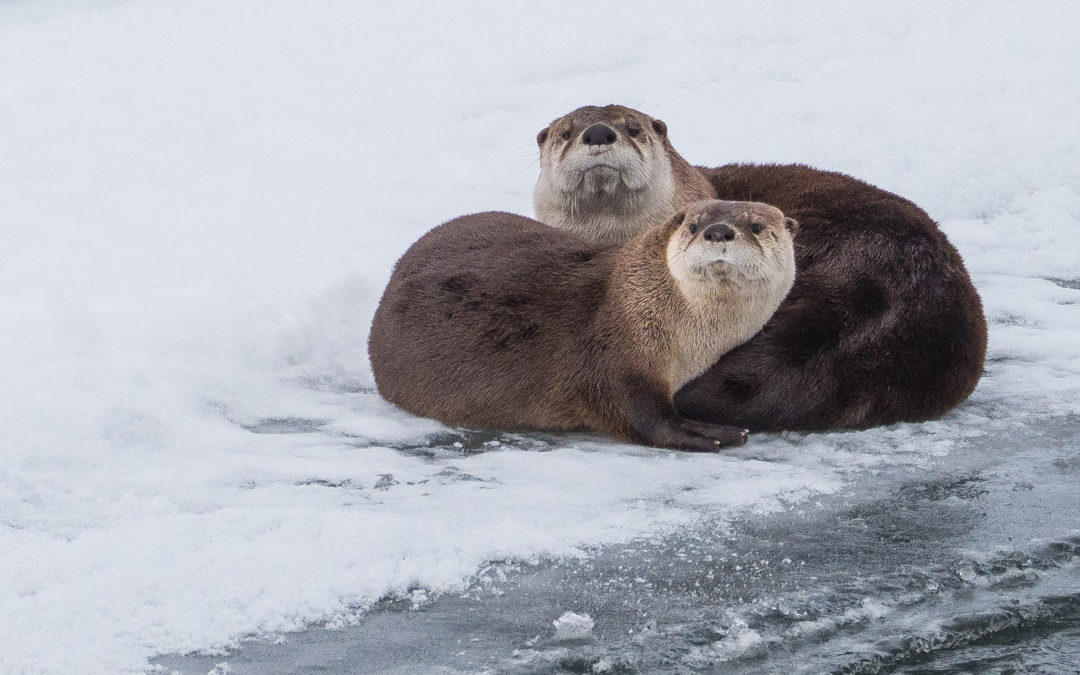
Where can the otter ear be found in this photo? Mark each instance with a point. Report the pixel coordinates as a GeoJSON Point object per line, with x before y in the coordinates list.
{"type": "Point", "coordinates": [542, 136]}
{"type": "Point", "coordinates": [792, 225]}
{"type": "Point", "coordinates": [678, 218]}
{"type": "Point", "coordinates": [659, 127]}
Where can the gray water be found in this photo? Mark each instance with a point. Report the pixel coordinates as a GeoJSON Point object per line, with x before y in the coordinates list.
{"type": "Point", "coordinates": [972, 568]}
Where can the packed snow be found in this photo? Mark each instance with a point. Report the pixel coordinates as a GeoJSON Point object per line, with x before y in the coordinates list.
{"type": "Point", "coordinates": [202, 201]}
{"type": "Point", "coordinates": [573, 626]}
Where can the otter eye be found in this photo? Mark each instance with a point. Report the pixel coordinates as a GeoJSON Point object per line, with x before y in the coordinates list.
{"type": "Point", "coordinates": [693, 228]}
{"type": "Point", "coordinates": [566, 135]}
{"type": "Point", "coordinates": [633, 130]}
{"type": "Point", "coordinates": [756, 228]}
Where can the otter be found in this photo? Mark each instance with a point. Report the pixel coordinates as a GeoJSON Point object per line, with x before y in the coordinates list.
{"type": "Point", "coordinates": [883, 324]}
{"type": "Point", "coordinates": [499, 321]}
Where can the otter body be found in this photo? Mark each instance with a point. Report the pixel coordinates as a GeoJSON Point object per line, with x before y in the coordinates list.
{"type": "Point", "coordinates": [883, 324]}
{"type": "Point", "coordinates": [495, 320]}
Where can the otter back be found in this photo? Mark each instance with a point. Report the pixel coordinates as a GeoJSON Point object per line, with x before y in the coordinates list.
{"type": "Point", "coordinates": [883, 324]}
{"type": "Point", "coordinates": [474, 316]}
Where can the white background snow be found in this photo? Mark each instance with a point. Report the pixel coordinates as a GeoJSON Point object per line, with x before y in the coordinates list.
{"type": "Point", "coordinates": [201, 201]}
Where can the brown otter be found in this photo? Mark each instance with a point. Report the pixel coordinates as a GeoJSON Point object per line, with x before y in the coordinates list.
{"type": "Point", "coordinates": [883, 324]}
{"type": "Point", "coordinates": [499, 321]}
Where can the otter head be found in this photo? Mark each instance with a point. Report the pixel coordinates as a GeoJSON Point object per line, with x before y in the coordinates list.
{"type": "Point", "coordinates": [717, 246]}
{"type": "Point", "coordinates": [605, 173]}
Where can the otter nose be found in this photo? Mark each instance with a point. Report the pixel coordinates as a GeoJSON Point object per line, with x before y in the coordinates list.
{"type": "Point", "coordinates": [718, 232]}
{"type": "Point", "coordinates": [599, 134]}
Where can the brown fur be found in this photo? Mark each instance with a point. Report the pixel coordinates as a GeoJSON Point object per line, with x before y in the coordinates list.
{"type": "Point", "coordinates": [883, 324]}
{"type": "Point", "coordinates": [495, 320]}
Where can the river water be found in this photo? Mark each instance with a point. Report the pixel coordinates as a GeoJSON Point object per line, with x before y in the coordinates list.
{"type": "Point", "coordinates": [973, 566]}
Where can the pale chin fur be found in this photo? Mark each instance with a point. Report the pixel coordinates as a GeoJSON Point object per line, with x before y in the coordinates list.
{"type": "Point", "coordinates": [731, 291]}
{"type": "Point", "coordinates": [605, 206]}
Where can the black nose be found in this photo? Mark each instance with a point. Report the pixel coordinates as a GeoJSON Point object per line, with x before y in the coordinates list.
{"type": "Point", "coordinates": [718, 232]}
{"type": "Point", "coordinates": [599, 134]}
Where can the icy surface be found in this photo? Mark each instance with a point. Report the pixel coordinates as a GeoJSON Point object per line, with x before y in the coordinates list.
{"type": "Point", "coordinates": [201, 202]}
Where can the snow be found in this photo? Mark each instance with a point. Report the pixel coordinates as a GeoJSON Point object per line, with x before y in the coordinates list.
{"type": "Point", "coordinates": [573, 626]}
{"type": "Point", "coordinates": [202, 201]}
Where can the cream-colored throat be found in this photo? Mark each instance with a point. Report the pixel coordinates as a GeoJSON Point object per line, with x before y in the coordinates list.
{"type": "Point", "coordinates": [608, 219]}
{"type": "Point", "coordinates": [720, 311]}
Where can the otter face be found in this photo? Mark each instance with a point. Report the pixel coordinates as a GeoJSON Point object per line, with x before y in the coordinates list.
{"type": "Point", "coordinates": [597, 152]}
{"type": "Point", "coordinates": [737, 241]}
{"type": "Point", "coordinates": [605, 173]}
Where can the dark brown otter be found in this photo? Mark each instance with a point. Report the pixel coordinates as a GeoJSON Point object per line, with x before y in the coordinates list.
{"type": "Point", "coordinates": [883, 324]}
{"type": "Point", "coordinates": [495, 320]}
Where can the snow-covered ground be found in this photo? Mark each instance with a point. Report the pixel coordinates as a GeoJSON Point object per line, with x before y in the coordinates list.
{"type": "Point", "coordinates": [201, 201]}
